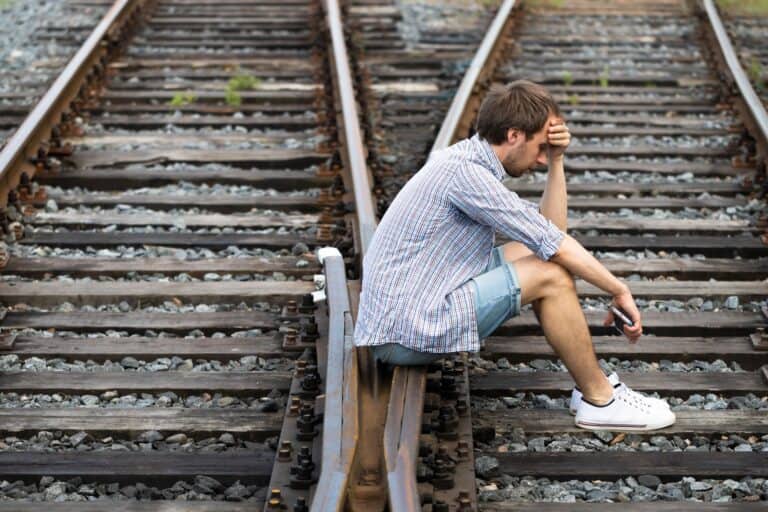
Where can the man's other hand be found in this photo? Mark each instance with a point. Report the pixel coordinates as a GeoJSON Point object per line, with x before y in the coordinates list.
{"type": "Point", "coordinates": [627, 303]}
{"type": "Point", "coordinates": [558, 138]}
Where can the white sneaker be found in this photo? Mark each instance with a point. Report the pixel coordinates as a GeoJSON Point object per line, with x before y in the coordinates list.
{"type": "Point", "coordinates": [614, 380]}
{"type": "Point", "coordinates": [627, 411]}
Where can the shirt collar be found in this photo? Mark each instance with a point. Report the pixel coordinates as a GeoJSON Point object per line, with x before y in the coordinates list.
{"type": "Point", "coordinates": [487, 157]}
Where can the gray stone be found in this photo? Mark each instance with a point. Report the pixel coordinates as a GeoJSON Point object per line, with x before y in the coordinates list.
{"type": "Point", "coordinates": [176, 439]}
{"type": "Point", "coordinates": [89, 400]}
{"type": "Point", "coordinates": [79, 437]}
{"type": "Point", "coordinates": [732, 302]}
{"type": "Point", "coordinates": [486, 467]}
{"type": "Point", "coordinates": [129, 362]}
{"type": "Point", "coordinates": [540, 364]}
{"type": "Point", "coordinates": [55, 490]}
{"type": "Point", "coordinates": [151, 436]}
{"type": "Point", "coordinates": [227, 439]}
{"type": "Point", "coordinates": [650, 481]}
{"type": "Point", "coordinates": [299, 249]}
{"type": "Point", "coordinates": [604, 435]}
{"type": "Point", "coordinates": [236, 492]}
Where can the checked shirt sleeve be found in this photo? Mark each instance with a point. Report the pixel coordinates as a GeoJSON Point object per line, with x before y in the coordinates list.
{"type": "Point", "coordinates": [482, 197]}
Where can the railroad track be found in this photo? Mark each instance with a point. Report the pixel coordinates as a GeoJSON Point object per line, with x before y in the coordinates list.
{"type": "Point", "coordinates": [664, 188]}
{"type": "Point", "coordinates": [161, 254]}
{"type": "Point", "coordinates": [166, 245]}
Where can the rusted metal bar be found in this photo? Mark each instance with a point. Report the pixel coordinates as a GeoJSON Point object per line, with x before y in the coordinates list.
{"type": "Point", "coordinates": [401, 437]}
{"type": "Point", "coordinates": [340, 420]}
{"type": "Point", "coordinates": [22, 149]}
{"type": "Point", "coordinates": [456, 120]}
{"type": "Point", "coordinates": [341, 429]}
{"type": "Point", "coordinates": [355, 153]}
{"type": "Point", "coordinates": [745, 88]}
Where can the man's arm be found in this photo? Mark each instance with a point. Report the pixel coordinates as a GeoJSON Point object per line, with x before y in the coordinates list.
{"type": "Point", "coordinates": [554, 202]}
{"type": "Point", "coordinates": [574, 257]}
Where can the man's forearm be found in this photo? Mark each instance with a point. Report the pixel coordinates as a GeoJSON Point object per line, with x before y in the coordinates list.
{"type": "Point", "coordinates": [554, 202]}
{"type": "Point", "coordinates": [574, 257]}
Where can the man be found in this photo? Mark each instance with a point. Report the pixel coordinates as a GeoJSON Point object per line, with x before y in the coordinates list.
{"type": "Point", "coordinates": [433, 284]}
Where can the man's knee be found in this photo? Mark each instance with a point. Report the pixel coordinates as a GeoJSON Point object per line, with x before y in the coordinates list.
{"type": "Point", "coordinates": [557, 277]}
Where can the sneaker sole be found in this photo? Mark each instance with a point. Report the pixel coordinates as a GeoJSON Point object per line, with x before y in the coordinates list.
{"type": "Point", "coordinates": [621, 427]}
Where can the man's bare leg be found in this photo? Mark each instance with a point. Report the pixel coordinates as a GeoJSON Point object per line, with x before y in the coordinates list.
{"type": "Point", "coordinates": [552, 291]}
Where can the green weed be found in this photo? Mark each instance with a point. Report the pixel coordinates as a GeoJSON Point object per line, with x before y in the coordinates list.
{"type": "Point", "coordinates": [573, 99]}
{"type": "Point", "coordinates": [239, 82]}
{"type": "Point", "coordinates": [755, 73]}
{"type": "Point", "coordinates": [567, 78]}
{"type": "Point", "coordinates": [604, 77]}
{"type": "Point", "coordinates": [181, 99]}
{"type": "Point", "coordinates": [233, 98]}
{"type": "Point", "coordinates": [758, 7]}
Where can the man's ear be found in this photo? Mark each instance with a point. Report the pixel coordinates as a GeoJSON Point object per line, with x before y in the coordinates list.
{"type": "Point", "coordinates": [514, 136]}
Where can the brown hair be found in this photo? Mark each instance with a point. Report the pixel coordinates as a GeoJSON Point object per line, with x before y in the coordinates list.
{"type": "Point", "coordinates": [521, 105]}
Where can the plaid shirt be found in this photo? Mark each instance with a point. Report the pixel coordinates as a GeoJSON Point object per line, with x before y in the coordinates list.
{"type": "Point", "coordinates": [437, 234]}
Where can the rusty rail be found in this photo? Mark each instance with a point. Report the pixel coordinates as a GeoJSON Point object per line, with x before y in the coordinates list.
{"type": "Point", "coordinates": [466, 101]}
{"type": "Point", "coordinates": [756, 108]}
{"type": "Point", "coordinates": [354, 153]}
{"type": "Point", "coordinates": [339, 430]}
{"type": "Point", "coordinates": [20, 153]}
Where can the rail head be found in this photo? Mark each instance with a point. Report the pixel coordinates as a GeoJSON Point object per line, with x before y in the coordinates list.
{"type": "Point", "coordinates": [756, 108]}
{"type": "Point", "coordinates": [23, 146]}
{"type": "Point", "coordinates": [340, 429]}
{"type": "Point", "coordinates": [478, 71]}
{"type": "Point", "coordinates": [354, 153]}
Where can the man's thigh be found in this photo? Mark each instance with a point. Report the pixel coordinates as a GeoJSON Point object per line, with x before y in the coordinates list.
{"type": "Point", "coordinates": [513, 251]}
{"type": "Point", "coordinates": [536, 277]}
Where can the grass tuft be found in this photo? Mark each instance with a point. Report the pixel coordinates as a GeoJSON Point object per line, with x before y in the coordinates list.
{"type": "Point", "coordinates": [181, 99]}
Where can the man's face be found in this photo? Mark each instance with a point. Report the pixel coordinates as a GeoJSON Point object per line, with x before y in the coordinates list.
{"type": "Point", "coordinates": [523, 154]}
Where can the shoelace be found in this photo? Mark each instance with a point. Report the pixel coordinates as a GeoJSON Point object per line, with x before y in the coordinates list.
{"type": "Point", "coordinates": [634, 398]}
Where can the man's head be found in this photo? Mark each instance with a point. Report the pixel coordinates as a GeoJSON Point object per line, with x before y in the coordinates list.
{"type": "Point", "coordinates": [514, 119]}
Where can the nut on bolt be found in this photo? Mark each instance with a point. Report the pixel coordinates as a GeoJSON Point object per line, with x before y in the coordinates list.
{"type": "Point", "coordinates": [275, 499]}
{"type": "Point", "coordinates": [285, 451]}
{"type": "Point", "coordinates": [465, 504]}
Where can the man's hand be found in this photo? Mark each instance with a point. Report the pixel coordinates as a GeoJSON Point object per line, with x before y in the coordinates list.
{"type": "Point", "coordinates": [558, 138]}
{"type": "Point", "coordinates": [627, 303]}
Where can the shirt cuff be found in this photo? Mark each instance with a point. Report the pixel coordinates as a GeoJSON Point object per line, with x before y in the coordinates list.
{"type": "Point", "coordinates": [550, 241]}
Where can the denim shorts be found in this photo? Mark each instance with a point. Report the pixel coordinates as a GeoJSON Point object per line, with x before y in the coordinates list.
{"type": "Point", "coordinates": [497, 294]}
{"type": "Point", "coordinates": [497, 298]}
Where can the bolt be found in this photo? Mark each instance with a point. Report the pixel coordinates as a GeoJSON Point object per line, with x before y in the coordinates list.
{"type": "Point", "coordinates": [311, 382]}
{"type": "Point", "coordinates": [293, 410]}
{"type": "Point", "coordinates": [301, 505]}
{"type": "Point", "coordinates": [462, 450]}
{"type": "Point", "coordinates": [275, 499]}
{"type": "Point", "coordinates": [289, 338]}
{"type": "Point", "coordinates": [461, 407]}
{"type": "Point", "coordinates": [290, 307]}
{"type": "Point", "coordinates": [307, 303]}
{"type": "Point", "coordinates": [284, 453]}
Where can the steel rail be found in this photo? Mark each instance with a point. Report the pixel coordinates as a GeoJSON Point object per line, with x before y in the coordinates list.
{"type": "Point", "coordinates": [354, 149]}
{"type": "Point", "coordinates": [339, 430]}
{"type": "Point", "coordinates": [479, 71]}
{"type": "Point", "coordinates": [341, 411]}
{"type": "Point", "coordinates": [16, 157]}
{"type": "Point", "coordinates": [756, 107]}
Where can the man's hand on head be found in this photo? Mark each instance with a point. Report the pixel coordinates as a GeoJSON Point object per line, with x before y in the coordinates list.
{"type": "Point", "coordinates": [558, 138]}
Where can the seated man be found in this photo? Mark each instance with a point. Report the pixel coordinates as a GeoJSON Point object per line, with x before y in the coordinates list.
{"type": "Point", "coordinates": [433, 283]}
